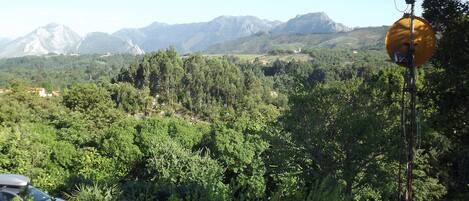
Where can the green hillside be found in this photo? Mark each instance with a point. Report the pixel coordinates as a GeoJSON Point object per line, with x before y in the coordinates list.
{"type": "Point", "coordinates": [362, 38]}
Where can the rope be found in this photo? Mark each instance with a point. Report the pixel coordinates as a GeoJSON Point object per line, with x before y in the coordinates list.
{"type": "Point", "coordinates": [419, 136]}
{"type": "Point", "coordinates": [401, 11]}
{"type": "Point", "coordinates": [403, 136]}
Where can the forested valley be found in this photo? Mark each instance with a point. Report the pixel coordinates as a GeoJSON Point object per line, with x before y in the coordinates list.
{"type": "Point", "coordinates": [165, 126]}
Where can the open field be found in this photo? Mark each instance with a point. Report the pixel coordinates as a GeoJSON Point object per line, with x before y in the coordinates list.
{"type": "Point", "coordinates": [266, 58]}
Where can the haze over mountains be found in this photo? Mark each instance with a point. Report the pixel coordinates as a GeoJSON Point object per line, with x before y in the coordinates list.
{"type": "Point", "coordinates": [359, 38]}
{"type": "Point", "coordinates": [59, 39]}
{"type": "Point", "coordinates": [189, 37]}
{"type": "Point", "coordinates": [195, 36]}
{"type": "Point", "coordinates": [3, 41]}
{"type": "Point", "coordinates": [99, 42]}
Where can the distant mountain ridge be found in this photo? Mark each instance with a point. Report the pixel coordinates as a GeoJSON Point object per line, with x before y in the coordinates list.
{"type": "Point", "coordinates": [189, 37]}
{"type": "Point", "coordinates": [99, 42]}
{"type": "Point", "coordinates": [52, 38]}
{"type": "Point", "coordinates": [192, 37]}
{"type": "Point", "coordinates": [59, 39]}
{"type": "Point", "coordinates": [311, 23]}
{"type": "Point", "coordinates": [360, 38]}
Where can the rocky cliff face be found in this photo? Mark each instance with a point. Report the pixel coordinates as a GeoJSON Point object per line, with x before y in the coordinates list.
{"type": "Point", "coordinates": [311, 23]}
{"type": "Point", "coordinates": [52, 38]}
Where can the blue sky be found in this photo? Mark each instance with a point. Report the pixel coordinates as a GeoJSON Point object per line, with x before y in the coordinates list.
{"type": "Point", "coordinates": [19, 17]}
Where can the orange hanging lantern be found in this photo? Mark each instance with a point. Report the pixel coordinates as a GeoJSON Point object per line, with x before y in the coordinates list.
{"type": "Point", "coordinates": [397, 41]}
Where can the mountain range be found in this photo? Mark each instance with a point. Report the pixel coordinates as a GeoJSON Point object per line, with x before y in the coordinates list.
{"type": "Point", "coordinates": [359, 38]}
{"type": "Point", "coordinates": [195, 36]}
{"type": "Point", "coordinates": [59, 39]}
{"type": "Point", "coordinates": [189, 37]}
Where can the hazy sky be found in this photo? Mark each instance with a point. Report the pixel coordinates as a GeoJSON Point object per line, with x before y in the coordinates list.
{"type": "Point", "coordinates": [19, 17]}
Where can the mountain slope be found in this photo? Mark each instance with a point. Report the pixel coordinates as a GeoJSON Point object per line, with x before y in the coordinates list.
{"type": "Point", "coordinates": [52, 38]}
{"type": "Point", "coordinates": [311, 23]}
{"type": "Point", "coordinates": [3, 41]}
{"type": "Point", "coordinates": [362, 38]}
{"type": "Point", "coordinates": [100, 43]}
{"type": "Point", "coordinates": [195, 36]}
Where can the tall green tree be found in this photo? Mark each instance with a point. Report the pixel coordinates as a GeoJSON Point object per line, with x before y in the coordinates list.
{"type": "Point", "coordinates": [447, 89]}
{"type": "Point", "coordinates": [240, 154]}
{"type": "Point", "coordinates": [341, 130]}
{"type": "Point", "coordinates": [351, 130]}
{"type": "Point", "coordinates": [94, 104]}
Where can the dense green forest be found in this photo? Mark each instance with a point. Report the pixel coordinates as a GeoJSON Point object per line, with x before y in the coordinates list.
{"type": "Point", "coordinates": [169, 127]}
{"type": "Point", "coordinates": [56, 72]}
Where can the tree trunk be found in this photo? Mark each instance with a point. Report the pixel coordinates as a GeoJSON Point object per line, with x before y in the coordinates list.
{"type": "Point", "coordinates": [348, 188]}
{"type": "Point", "coordinates": [348, 175]}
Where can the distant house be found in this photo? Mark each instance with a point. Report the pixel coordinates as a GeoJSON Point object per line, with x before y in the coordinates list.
{"type": "Point", "coordinates": [43, 93]}
{"type": "Point", "coordinates": [154, 102]}
{"type": "Point", "coordinates": [260, 60]}
{"type": "Point", "coordinates": [298, 51]}
{"type": "Point", "coordinates": [39, 91]}
{"type": "Point", "coordinates": [56, 93]}
{"type": "Point", "coordinates": [264, 61]}
{"type": "Point", "coordinates": [108, 54]}
{"type": "Point", "coordinates": [273, 94]}
{"type": "Point", "coordinates": [2, 91]}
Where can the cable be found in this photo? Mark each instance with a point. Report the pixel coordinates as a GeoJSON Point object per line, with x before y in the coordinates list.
{"type": "Point", "coordinates": [402, 11]}
{"type": "Point", "coordinates": [419, 132]}
{"type": "Point", "coordinates": [403, 135]}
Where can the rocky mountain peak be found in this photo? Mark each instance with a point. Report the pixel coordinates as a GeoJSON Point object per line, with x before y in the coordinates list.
{"type": "Point", "coordinates": [318, 22]}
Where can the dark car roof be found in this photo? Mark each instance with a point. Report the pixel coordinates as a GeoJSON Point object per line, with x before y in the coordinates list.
{"type": "Point", "coordinates": [13, 180]}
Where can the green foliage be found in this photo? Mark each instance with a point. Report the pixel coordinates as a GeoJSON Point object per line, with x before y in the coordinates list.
{"type": "Point", "coordinates": [86, 98]}
{"type": "Point", "coordinates": [324, 190]}
{"type": "Point", "coordinates": [92, 101]}
{"type": "Point", "coordinates": [219, 128]}
{"type": "Point", "coordinates": [209, 88]}
{"type": "Point", "coordinates": [130, 99]}
{"type": "Point", "coordinates": [240, 154]}
{"type": "Point", "coordinates": [350, 129]}
{"type": "Point", "coordinates": [446, 92]}
{"type": "Point", "coordinates": [95, 192]}
{"type": "Point", "coordinates": [60, 71]}
{"type": "Point", "coordinates": [329, 123]}
{"type": "Point", "coordinates": [119, 145]}
{"type": "Point", "coordinates": [186, 174]}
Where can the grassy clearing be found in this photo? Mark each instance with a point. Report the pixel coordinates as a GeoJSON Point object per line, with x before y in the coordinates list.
{"type": "Point", "coordinates": [265, 58]}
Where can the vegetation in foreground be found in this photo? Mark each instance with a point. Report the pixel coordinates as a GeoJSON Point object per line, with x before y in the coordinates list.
{"type": "Point", "coordinates": [209, 128]}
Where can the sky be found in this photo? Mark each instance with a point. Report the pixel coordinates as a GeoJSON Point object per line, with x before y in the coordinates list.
{"type": "Point", "coordinates": [19, 17]}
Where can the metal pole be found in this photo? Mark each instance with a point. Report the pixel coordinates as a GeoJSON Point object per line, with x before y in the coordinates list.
{"type": "Point", "coordinates": [413, 114]}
